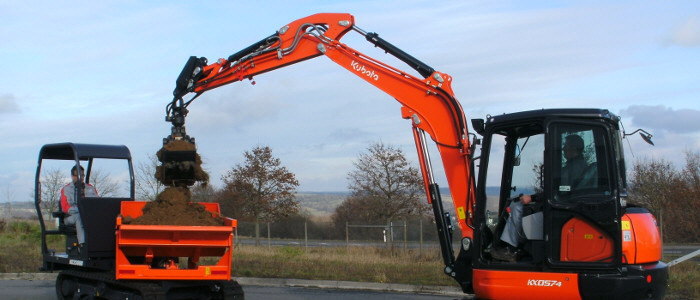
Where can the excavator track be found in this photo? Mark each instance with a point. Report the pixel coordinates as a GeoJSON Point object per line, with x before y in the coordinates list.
{"type": "Point", "coordinates": [74, 284]}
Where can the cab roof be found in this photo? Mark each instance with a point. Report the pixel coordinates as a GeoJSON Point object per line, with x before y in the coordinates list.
{"type": "Point", "coordinates": [71, 151]}
{"type": "Point", "coordinates": [583, 113]}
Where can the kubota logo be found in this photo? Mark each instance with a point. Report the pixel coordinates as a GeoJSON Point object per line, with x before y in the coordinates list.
{"type": "Point", "coordinates": [540, 282]}
{"type": "Point", "coordinates": [360, 68]}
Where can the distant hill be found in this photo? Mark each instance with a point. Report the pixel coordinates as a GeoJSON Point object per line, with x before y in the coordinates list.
{"type": "Point", "coordinates": [320, 203]}
{"type": "Point", "coordinates": [324, 203]}
{"type": "Point", "coordinates": [490, 191]}
{"type": "Point", "coordinates": [21, 210]}
{"type": "Point", "coordinates": [316, 203]}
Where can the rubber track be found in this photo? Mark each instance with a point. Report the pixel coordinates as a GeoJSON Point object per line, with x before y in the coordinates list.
{"type": "Point", "coordinates": [233, 290]}
{"type": "Point", "coordinates": [140, 290]}
{"type": "Point", "coordinates": [146, 290]}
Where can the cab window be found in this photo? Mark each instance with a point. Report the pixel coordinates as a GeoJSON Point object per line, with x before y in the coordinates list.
{"type": "Point", "coordinates": [528, 167]}
{"type": "Point", "coordinates": [580, 165]}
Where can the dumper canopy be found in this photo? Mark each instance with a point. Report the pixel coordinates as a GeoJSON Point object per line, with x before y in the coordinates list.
{"type": "Point", "coordinates": [98, 214]}
{"type": "Point", "coordinates": [68, 151]}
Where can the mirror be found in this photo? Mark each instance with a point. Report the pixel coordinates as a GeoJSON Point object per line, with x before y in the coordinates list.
{"type": "Point", "coordinates": [646, 137]}
{"type": "Point", "coordinates": [643, 133]}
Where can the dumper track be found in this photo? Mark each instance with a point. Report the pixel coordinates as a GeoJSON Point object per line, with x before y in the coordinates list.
{"type": "Point", "coordinates": [78, 284]}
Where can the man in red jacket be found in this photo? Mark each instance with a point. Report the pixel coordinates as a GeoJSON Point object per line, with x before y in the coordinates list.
{"type": "Point", "coordinates": [69, 202]}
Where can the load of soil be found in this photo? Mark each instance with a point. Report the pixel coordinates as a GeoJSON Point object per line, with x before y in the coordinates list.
{"type": "Point", "coordinates": [173, 207]}
{"type": "Point", "coordinates": [180, 172]}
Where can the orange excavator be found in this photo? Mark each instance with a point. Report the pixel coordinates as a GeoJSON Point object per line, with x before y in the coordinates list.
{"type": "Point", "coordinates": [579, 239]}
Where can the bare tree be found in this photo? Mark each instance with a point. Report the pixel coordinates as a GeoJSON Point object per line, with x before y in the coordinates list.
{"type": "Point", "coordinates": [260, 189]}
{"type": "Point", "coordinates": [104, 183]}
{"type": "Point", "coordinates": [670, 194]}
{"type": "Point", "coordinates": [52, 180]}
{"type": "Point", "coordinates": [538, 185]}
{"type": "Point", "coordinates": [683, 217]}
{"type": "Point", "coordinates": [147, 186]}
{"type": "Point", "coordinates": [651, 183]}
{"type": "Point", "coordinates": [384, 186]}
{"type": "Point", "coordinates": [202, 193]}
{"type": "Point", "coordinates": [9, 197]}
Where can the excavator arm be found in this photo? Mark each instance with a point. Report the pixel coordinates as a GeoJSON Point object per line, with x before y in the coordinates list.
{"type": "Point", "coordinates": [428, 102]}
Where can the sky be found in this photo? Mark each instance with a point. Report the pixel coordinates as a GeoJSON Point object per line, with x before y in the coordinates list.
{"type": "Point", "coordinates": [102, 72]}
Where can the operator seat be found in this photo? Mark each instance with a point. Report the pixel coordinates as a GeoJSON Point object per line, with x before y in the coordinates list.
{"type": "Point", "coordinates": [62, 226]}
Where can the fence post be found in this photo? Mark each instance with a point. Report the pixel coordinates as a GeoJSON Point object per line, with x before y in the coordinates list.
{"type": "Point", "coordinates": [405, 233]}
{"type": "Point", "coordinates": [420, 245]}
{"type": "Point", "coordinates": [347, 236]}
{"type": "Point", "coordinates": [306, 237]}
{"type": "Point", "coordinates": [661, 223]}
{"type": "Point", "coordinates": [391, 236]}
{"type": "Point", "coordinates": [257, 232]}
{"type": "Point", "coordinates": [235, 238]}
{"type": "Point", "coordinates": [268, 234]}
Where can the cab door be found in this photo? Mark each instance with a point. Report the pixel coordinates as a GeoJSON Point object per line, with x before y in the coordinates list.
{"type": "Point", "coordinates": [582, 215]}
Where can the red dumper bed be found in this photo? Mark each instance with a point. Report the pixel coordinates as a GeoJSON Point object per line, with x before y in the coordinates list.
{"type": "Point", "coordinates": [138, 246]}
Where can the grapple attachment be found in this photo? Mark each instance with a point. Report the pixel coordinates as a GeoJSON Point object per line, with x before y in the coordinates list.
{"type": "Point", "coordinates": [180, 164]}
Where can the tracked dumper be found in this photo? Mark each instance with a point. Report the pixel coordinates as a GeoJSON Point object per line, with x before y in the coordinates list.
{"type": "Point", "coordinates": [132, 261]}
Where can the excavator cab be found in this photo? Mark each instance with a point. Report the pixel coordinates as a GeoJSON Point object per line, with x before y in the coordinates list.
{"type": "Point", "coordinates": [571, 162]}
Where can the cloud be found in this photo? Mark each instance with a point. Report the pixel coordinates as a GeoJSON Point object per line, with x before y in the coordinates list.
{"type": "Point", "coordinates": [347, 133]}
{"type": "Point", "coordinates": [8, 104]}
{"type": "Point", "coordinates": [687, 34]}
{"type": "Point", "coordinates": [659, 117]}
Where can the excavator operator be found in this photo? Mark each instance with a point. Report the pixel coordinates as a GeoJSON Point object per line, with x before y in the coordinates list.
{"type": "Point", "coordinates": [68, 202]}
{"type": "Point", "coordinates": [572, 172]}
{"type": "Point", "coordinates": [571, 175]}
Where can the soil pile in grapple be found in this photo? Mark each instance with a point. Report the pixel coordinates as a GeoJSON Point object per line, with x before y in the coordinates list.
{"type": "Point", "coordinates": [173, 207]}
{"type": "Point", "coordinates": [184, 170]}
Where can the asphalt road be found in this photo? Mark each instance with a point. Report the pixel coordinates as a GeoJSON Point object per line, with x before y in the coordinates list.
{"type": "Point", "coordinates": [44, 289]}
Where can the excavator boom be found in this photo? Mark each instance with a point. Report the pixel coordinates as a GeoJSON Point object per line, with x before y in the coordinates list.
{"type": "Point", "coordinates": [428, 102]}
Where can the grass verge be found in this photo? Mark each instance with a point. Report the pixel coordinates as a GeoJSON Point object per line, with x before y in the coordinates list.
{"type": "Point", "coordinates": [684, 280]}
{"type": "Point", "coordinates": [364, 264]}
{"type": "Point", "coordinates": [20, 242]}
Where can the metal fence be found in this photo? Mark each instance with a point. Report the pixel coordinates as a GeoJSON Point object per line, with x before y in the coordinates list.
{"type": "Point", "coordinates": [415, 234]}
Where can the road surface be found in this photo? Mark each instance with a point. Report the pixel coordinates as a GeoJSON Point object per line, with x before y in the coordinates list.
{"type": "Point", "coordinates": [44, 289]}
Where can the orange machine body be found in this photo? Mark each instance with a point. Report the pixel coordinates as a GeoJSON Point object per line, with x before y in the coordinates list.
{"type": "Point", "coordinates": [641, 240]}
{"type": "Point", "coordinates": [581, 241]}
{"type": "Point", "coordinates": [143, 243]}
{"type": "Point", "coordinates": [493, 284]}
